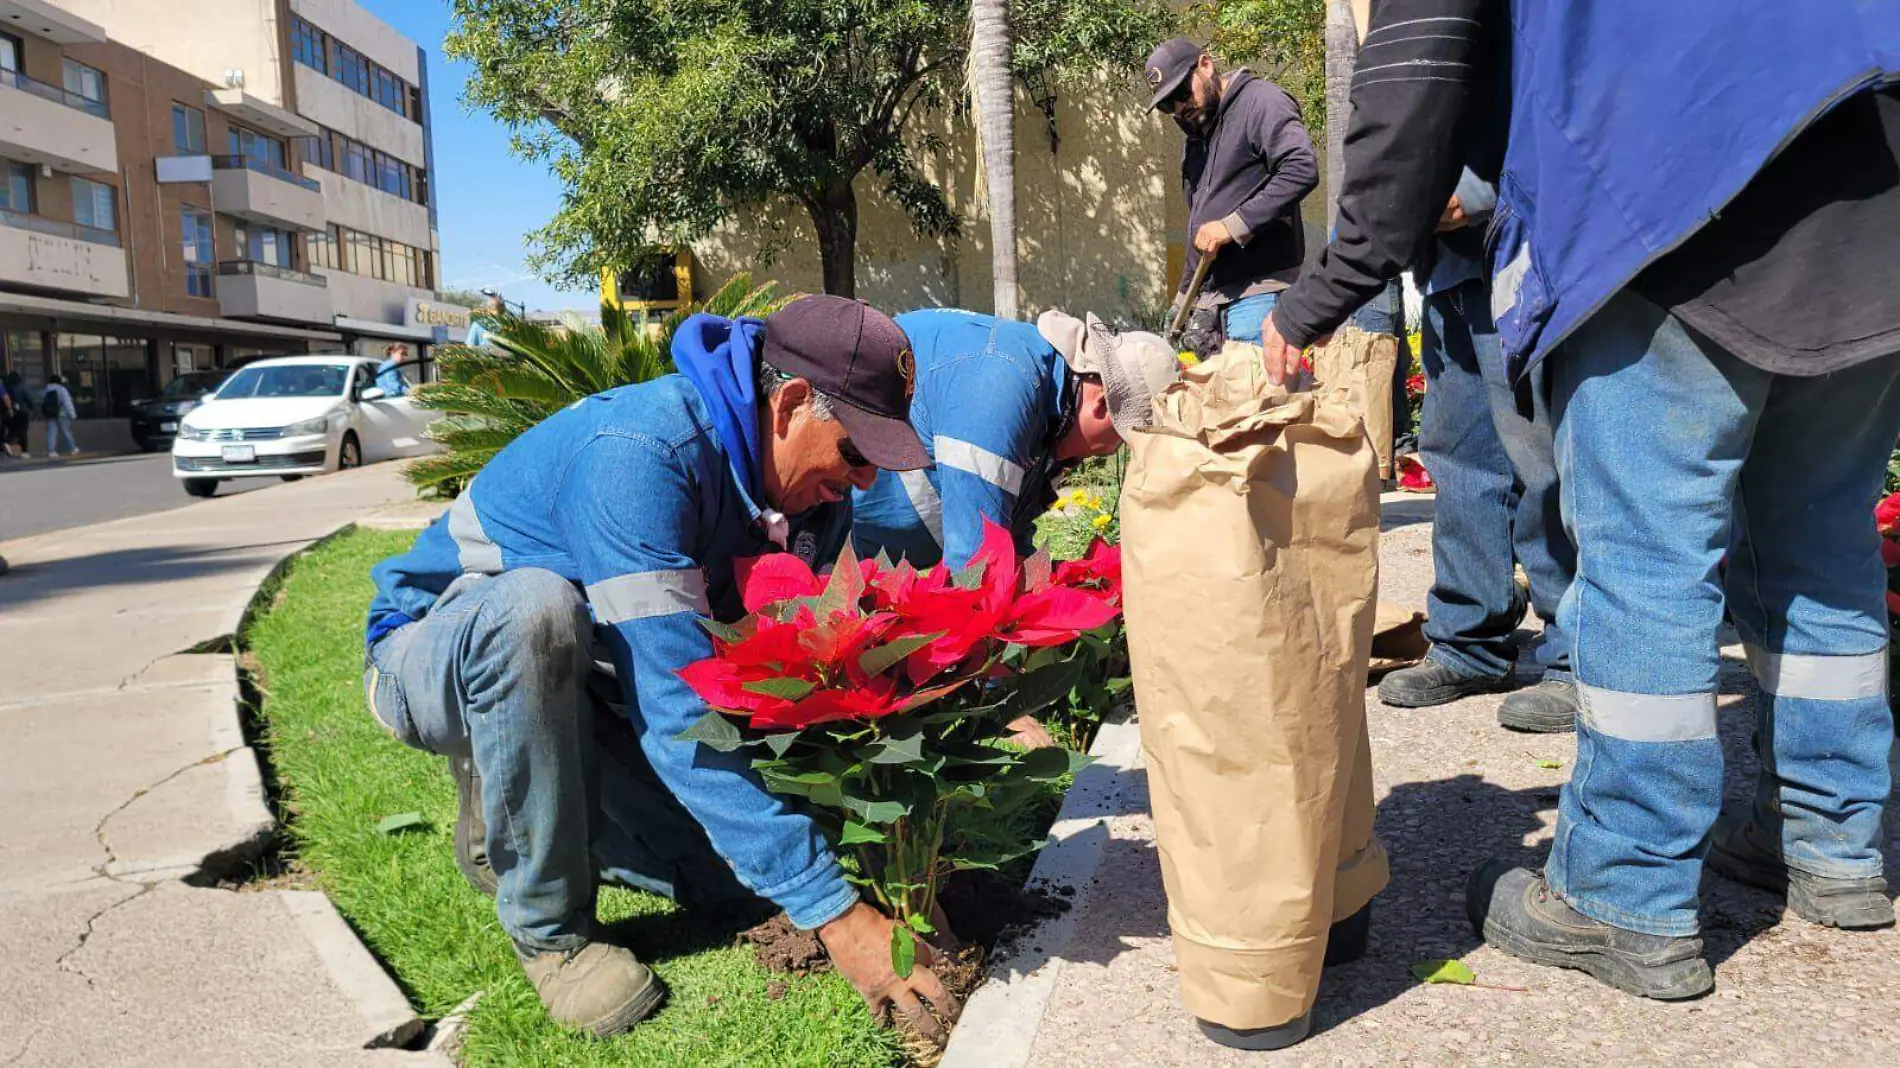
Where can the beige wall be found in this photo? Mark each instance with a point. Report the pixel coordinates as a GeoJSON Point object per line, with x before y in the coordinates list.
{"type": "Point", "coordinates": [323, 99]}
{"type": "Point", "coordinates": [205, 37]}
{"type": "Point", "coordinates": [357, 297]}
{"type": "Point", "coordinates": [364, 32]}
{"type": "Point", "coordinates": [36, 130]}
{"type": "Point", "coordinates": [364, 207]}
{"type": "Point", "coordinates": [62, 263]}
{"type": "Point", "coordinates": [260, 296]}
{"type": "Point", "coordinates": [1095, 219]}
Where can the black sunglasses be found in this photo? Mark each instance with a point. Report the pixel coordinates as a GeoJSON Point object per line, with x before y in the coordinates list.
{"type": "Point", "coordinates": [849, 453]}
{"type": "Point", "coordinates": [1179, 96]}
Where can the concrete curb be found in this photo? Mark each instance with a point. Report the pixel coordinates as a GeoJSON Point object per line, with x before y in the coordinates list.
{"type": "Point", "coordinates": [388, 1020]}
{"type": "Point", "coordinates": [999, 1024]}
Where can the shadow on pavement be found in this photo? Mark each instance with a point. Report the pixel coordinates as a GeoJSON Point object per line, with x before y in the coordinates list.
{"type": "Point", "coordinates": [28, 583]}
{"type": "Point", "coordinates": [1406, 510]}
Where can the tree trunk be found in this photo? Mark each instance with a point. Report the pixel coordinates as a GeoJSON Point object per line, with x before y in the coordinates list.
{"type": "Point", "coordinates": [996, 118]}
{"type": "Point", "coordinates": [834, 214]}
{"type": "Point", "coordinates": [1342, 51]}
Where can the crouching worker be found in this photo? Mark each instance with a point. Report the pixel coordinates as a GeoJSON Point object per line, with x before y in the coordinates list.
{"type": "Point", "coordinates": [1005, 408]}
{"type": "Point", "coordinates": [620, 519]}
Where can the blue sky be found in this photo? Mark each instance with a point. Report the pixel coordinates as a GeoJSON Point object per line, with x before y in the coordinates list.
{"type": "Point", "coordinates": [487, 199]}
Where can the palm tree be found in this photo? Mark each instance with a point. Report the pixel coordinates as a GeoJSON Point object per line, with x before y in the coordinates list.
{"type": "Point", "coordinates": [996, 137]}
{"type": "Point", "coordinates": [492, 395]}
{"type": "Point", "coordinates": [1342, 53]}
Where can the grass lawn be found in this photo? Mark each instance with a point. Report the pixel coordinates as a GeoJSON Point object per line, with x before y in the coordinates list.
{"type": "Point", "coordinates": [341, 775]}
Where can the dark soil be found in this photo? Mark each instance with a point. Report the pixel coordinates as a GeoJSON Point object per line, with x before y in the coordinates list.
{"type": "Point", "coordinates": [984, 907]}
{"type": "Point", "coordinates": [783, 948]}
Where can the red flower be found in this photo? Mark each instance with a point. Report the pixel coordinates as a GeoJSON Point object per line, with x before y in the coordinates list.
{"type": "Point", "coordinates": [1415, 386]}
{"type": "Point", "coordinates": [873, 700]}
{"type": "Point", "coordinates": [721, 684]}
{"type": "Point", "coordinates": [1890, 553]}
{"type": "Point", "coordinates": [1099, 568]}
{"type": "Point", "coordinates": [1057, 615]}
{"type": "Point", "coordinates": [770, 580]}
{"type": "Point", "coordinates": [1413, 476]}
{"type": "Point", "coordinates": [1887, 514]}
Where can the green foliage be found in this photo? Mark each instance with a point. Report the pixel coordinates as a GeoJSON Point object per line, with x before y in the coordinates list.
{"type": "Point", "coordinates": [531, 370]}
{"type": "Point", "coordinates": [1283, 40]}
{"type": "Point", "coordinates": [467, 298]}
{"type": "Point", "coordinates": [1444, 971]}
{"type": "Point", "coordinates": [664, 118]}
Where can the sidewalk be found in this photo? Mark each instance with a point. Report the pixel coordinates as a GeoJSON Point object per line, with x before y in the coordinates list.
{"type": "Point", "coordinates": [125, 779]}
{"type": "Point", "coordinates": [1453, 789]}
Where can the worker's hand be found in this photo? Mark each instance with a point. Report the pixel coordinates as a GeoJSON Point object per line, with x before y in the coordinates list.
{"type": "Point", "coordinates": [1028, 732]}
{"type": "Point", "coordinates": [859, 943]}
{"type": "Point", "coordinates": [1281, 358]}
{"type": "Point", "coordinates": [1454, 217]}
{"type": "Point", "coordinates": [1211, 236]}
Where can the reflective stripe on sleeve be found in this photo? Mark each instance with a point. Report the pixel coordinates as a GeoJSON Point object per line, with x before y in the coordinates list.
{"type": "Point", "coordinates": [644, 594]}
{"type": "Point", "coordinates": [923, 497]}
{"type": "Point", "coordinates": [473, 549]}
{"type": "Point", "coordinates": [998, 471]}
{"type": "Point", "coordinates": [1819, 678]}
{"type": "Point", "coordinates": [1647, 717]}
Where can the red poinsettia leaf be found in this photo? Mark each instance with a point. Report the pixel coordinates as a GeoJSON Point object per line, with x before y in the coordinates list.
{"type": "Point", "coordinates": [840, 639]}
{"type": "Point", "coordinates": [1887, 514]}
{"type": "Point", "coordinates": [923, 697]}
{"type": "Point", "coordinates": [1893, 603]}
{"type": "Point", "coordinates": [997, 554]}
{"type": "Point", "coordinates": [1890, 552]}
{"type": "Point", "coordinates": [722, 685]}
{"type": "Point", "coordinates": [1100, 566]}
{"type": "Point", "coordinates": [772, 644]}
{"type": "Point", "coordinates": [828, 706]}
{"type": "Point", "coordinates": [844, 585]}
{"type": "Point", "coordinates": [1037, 570]}
{"type": "Point", "coordinates": [1042, 618]}
{"type": "Point", "coordinates": [770, 580]}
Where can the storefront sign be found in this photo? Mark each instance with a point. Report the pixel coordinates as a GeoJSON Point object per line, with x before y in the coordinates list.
{"type": "Point", "coordinates": [435, 315]}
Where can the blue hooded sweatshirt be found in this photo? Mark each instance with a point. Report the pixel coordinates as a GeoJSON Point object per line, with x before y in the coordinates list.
{"type": "Point", "coordinates": [644, 496]}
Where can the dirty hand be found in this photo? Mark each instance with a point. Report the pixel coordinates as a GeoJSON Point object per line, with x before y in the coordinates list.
{"type": "Point", "coordinates": [859, 943]}
{"type": "Point", "coordinates": [1211, 236]}
{"type": "Point", "coordinates": [1454, 216]}
{"type": "Point", "coordinates": [1028, 732]}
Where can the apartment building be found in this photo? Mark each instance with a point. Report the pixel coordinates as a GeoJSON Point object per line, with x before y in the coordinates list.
{"type": "Point", "coordinates": [188, 184]}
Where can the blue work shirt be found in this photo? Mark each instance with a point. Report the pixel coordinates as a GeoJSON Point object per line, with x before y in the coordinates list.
{"type": "Point", "coordinates": [990, 396]}
{"type": "Point", "coordinates": [389, 379]}
{"type": "Point", "coordinates": [635, 497]}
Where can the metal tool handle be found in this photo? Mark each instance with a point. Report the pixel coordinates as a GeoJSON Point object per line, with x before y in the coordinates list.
{"type": "Point", "coordinates": [1193, 294]}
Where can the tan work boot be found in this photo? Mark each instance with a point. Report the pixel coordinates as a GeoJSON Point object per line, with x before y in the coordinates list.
{"type": "Point", "coordinates": [598, 987]}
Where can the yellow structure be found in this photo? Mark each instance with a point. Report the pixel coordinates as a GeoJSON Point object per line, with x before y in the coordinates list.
{"type": "Point", "coordinates": [664, 287]}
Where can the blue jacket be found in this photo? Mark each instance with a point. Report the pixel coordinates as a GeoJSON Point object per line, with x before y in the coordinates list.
{"type": "Point", "coordinates": [1631, 124]}
{"type": "Point", "coordinates": [634, 495]}
{"type": "Point", "coordinates": [990, 393]}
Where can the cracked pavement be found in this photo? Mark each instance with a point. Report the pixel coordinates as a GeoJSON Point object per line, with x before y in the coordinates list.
{"type": "Point", "coordinates": [124, 773]}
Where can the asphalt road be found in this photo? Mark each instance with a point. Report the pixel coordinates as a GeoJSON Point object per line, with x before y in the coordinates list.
{"type": "Point", "coordinates": [37, 496]}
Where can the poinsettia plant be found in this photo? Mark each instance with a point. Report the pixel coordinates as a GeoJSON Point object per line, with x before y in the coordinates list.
{"type": "Point", "coordinates": [878, 695]}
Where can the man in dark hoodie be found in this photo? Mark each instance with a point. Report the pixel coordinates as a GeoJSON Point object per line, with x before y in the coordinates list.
{"type": "Point", "coordinates": [1247, 165]}
{"type": "Point", "coordinates": [618, 521]}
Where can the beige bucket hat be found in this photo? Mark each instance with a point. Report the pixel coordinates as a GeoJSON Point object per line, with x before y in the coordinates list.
{"type": "Point", "coordinates": [1133, 365]}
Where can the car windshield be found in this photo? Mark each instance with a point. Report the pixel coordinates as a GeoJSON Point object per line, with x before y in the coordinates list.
{"type": "Point", "coordinates": [290, 380]}
{"type": "Point", "coordinates": [194, 384]}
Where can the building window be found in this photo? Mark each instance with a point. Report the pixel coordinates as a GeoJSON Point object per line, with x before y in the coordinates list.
{"type": "Point", "coordinates": [11, 54]}
{"type": "Point", "coordinates": [320, 52]}
{"type": "Point", "coordinates": [257, 146]}
{"type": "Point", "coordinates": [188, 130]}
{"type": "Point", "coordinates": [334, 152]}
{"type": "Point", "coordinates": [83, 81]}
{"type": "Point", "coordinates": [16, 189]}
{"type": "Point", "coordinates": [355, 252]}
{"type": "Point", "coordinates": [306, 44]}
{"type": "Point", "coordinates": [317, 150]}
{"type": "Point", "coordinates": [93, 203]}
{"type": "Point", "coordinates": [265, 245]}
{"type": "Point", "coordinates": [200, 254]}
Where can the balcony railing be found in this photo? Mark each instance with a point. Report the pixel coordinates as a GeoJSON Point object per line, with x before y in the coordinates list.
{"type": "Point", "coordinates": [252, 163]}
{"type": "Point", "coordinates": [271, 270]}
{"type": "Point", "coordinates": [54, 93]}
{"type": "Point", "coordinates": [58, 228]}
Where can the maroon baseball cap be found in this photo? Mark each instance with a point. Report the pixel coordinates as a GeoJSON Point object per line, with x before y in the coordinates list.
{"type": "Point", "coordinates": [857, 356]}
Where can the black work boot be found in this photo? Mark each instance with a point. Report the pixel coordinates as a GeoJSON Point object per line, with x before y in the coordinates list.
{"type": "Point", "coordinates": [1346, 940]}
{"type": "Point", "coordinates": [1515, 910]}
{"type": "Point", "coordinates": [1291, 1033]}
{"type": "Point", "coordinates": [1550, 707]}
{"type": "Point", "coordinates": [1855, 904]}
{"type": "Point", "coordinates": [471, 831]}
{"type": "Point", "coordinates": [1429, 683]}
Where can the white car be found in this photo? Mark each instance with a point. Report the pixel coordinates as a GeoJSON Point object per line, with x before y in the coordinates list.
{"type": "Point", "coordinates": [296, 416]}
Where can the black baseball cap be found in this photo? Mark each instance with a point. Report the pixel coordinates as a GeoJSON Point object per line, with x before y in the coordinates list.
{"type": "Point", "coordinates": [857, 356]}
{"type": "Point", "coordinates": [1169, 65]}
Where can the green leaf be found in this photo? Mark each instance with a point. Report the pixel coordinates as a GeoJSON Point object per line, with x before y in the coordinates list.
{"type": "Point", "coordinates": [402, 821]}
{"type": "Point", "coordinates": [971, 577]}
{"type": "Point", "coordinates": [780, 743]}
{"type": "Point", "coordinates": [1052, 763]}
{"type": "Point", "coordinates": [1036, 690]}
{"type": "Point", "coordinates": [1550, 765]}
{"type": "Point", "coordinates": [1038, 570]}
{"type": "Point", "coordinates": [896, 750]}
{"type": "Point", "coordinates": [876, 811]}
{"type": "Point", "coordinates": [725, 632]}
{"type": "Point", "coordinates": [903, 951]}
{"type": "Point", "coordinates": [875, 661]}
{"type": "Point", "coordinates": [856, 833]}
{"type": "Point", "coordinates": [715, 731]}
{"type": "Point", "coordinates": [789, 689]}
{"type": "Point", "coordinates": [1444, 971]}
{"type": "Point", "coordinates": [922, 925]}
{"type": "Point", "coordinates": [843, 587]}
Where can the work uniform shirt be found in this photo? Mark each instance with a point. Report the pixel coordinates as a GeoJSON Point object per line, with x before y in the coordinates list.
{"type": "Point", "coordinates": [632, 496]}
{"type": "Point", "coordinates": [990, 399]}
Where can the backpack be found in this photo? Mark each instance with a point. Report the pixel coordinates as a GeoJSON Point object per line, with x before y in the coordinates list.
{"type": "Point", "coordinates": [50, 406]}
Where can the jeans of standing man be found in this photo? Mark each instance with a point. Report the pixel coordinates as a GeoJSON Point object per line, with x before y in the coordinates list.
{"type": "Point", "coordinates": [1497, 496]}
{"type": "Point", "coordinates": [1673, 452]}
{"type": "Point", "coordinates": [1241, 319]}
{"type": "Point", "coordinates": [56, 429]}
{"type": "Point", "coordinates": [498, 671]}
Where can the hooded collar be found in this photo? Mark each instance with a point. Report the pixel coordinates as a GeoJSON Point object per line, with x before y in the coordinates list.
{"type": "Point", "coordinates": [719, 356]}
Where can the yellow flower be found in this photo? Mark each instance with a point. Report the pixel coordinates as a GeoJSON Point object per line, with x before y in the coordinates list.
{"type": "Point", "coordinates": [1188, 358]}
{"type": "Point", "coordinates": [1102, 521]}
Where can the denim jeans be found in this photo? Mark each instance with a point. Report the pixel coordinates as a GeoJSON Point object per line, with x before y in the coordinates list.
{"type": "Point", "coordinates": [1241, 319]}
{"type": "Point", "coordinates": [1672, 453]}
{"type": "Point", "coordinates": [498, 670]}
{"type": "Point", "coordinates": [57, 429]}
{"type": "Point", "coordinates": [1497, 496]}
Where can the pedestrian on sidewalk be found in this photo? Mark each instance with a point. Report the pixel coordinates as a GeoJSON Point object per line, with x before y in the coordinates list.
{"type": "Point", "coordinates": [15, 430]}
{"type": "Point", "coordinates": [1247, 164]}
{"type": "Point", "coordinates": [1737, 396]}
{"type": "Point", "coordinates": [56, 407]}
{"type": "Point", "coordinates": [1489, 448]}
{"type": "Point", "coordinates": [389, 376]}
{"type": "Point", "coordinates": [621, 521]}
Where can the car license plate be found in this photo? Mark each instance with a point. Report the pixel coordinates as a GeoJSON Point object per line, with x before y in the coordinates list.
{"type": "Point", "coordinates": [166, 428]}
{"type": "Point", "coordinates": [240, 454]}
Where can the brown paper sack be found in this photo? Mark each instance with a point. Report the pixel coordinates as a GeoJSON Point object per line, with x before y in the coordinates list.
{"type": "Point", "coordinates": [1363, 364]}
{"type": "Point", "coordinates": [1250, 524]}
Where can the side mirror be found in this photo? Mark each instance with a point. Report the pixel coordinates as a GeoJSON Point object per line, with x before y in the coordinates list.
{"type": "Point", "coordinates": [373, 393]}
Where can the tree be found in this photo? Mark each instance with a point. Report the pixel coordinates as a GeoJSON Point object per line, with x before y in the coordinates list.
{"type": "Point", "coordinates": [663, 118]}
{"type": "Point", "coordinates": [996, 134]}
{"type": "Point", "coordinates": [467, 298]}
{"type": "Point", "coordinates": [1283, 40]}
{"type": "Point", "coordinates": [1342, 53]}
